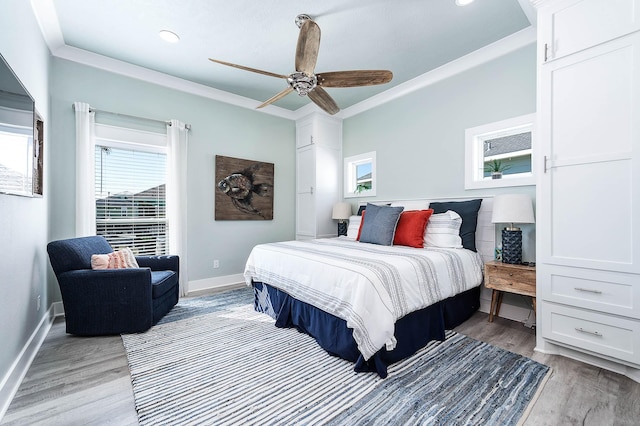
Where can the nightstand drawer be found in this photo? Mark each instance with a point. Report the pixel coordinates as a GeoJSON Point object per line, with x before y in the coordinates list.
{"type": "Point", "coordinates": [514, 279]}
{"type": "Point", "coordinates": [603, 334]}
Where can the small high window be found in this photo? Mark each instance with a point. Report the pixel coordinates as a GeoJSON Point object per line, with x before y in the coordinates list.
{"type": "Point", "coordinates": [500, 154]}
{"type": "Point", "coordinates": [360, 175]}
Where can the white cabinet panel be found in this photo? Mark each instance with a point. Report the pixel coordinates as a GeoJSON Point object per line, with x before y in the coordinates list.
{"type": "Point", "coordinates": [596, 117]}
{"type": "Point", "coordinates": [581, 229]}
{"type": "Point", "coordinates": [318, 175]}
{"type": "Point", "coordinates": [589, 109]}
{"type": "Point", "coordinates": [571, 26]}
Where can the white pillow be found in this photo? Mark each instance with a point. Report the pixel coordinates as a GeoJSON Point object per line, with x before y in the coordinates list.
{"type": "Point", "coordinates": [412, 205]}
{"type": "Point", "coordinates": [443, 230]}
{"type": "Point", "coordinates": [354, 226]}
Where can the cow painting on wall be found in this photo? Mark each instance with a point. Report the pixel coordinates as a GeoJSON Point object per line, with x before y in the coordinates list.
{"type": "Point", "coordinates": [244, 189]}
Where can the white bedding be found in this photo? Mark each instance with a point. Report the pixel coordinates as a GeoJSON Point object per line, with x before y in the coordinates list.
{"type": "Point", "coordinates": [369, 286]}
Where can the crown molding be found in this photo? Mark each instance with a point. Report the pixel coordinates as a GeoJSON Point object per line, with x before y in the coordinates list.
{"type": "Point", "coordinates": [154, 77]}
{"type": "Point", "coordinates": [45, 13]}
{"type": "Point", "coordinates": [488, 53]}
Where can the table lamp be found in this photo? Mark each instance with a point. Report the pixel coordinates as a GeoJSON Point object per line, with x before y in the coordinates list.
{"type": "Point", "coordinates": [341, 212]}
{"type": "Point", "coordinates": [512, 208]}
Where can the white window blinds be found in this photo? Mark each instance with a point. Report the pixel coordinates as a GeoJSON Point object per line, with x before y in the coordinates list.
{"type": "Point", "coordinates": [130, 198]}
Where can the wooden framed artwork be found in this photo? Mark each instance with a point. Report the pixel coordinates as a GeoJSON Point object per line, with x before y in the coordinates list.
{"type": "Point", "coordinates": [243, 189]}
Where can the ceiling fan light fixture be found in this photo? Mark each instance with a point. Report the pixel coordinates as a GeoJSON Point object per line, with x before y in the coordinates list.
{"type": "Point", "coordinates": [169, 36]}
{"type": "Point", "coordinates": [302, 83]}
{"type": "Point", "coordinates": [463, 2]}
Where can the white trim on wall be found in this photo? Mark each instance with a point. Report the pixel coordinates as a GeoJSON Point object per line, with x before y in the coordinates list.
{"type": "Point", "coordinates": [12, 380]}
{"type": "Point", "coordinates": [488, 53]}
{"type": "Point", "coordinates": [235, 280]}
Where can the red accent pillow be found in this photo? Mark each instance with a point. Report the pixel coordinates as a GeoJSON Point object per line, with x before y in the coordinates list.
{"type": "Point", "coordinates": [410, 228]}
{"type": "Point", "coordinates": [361, 222]}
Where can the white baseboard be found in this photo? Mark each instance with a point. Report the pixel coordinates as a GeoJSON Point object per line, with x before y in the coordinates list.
{"type": "Point", "coordinates": [511, 312]}
{"type": "Point", "coordinates": [11, 382]}
{"type": "Point", "coordinates": [58, 309]}
{"type": "Point", "coordinates": [551, 348]}
{"type": "Point", "coordinates": [216, 282]}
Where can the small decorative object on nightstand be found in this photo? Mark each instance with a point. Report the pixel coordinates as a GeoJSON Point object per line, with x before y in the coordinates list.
{"type": "Point", "coordinates": [341, 212]}
{"type": "Point", "coordinates": [512, 208]}
{"type": "Point", "coordinates": [501, 277]}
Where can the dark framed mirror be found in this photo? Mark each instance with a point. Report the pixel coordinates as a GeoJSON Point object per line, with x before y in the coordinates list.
{"type": "Point", "coordinates": [21, 138]}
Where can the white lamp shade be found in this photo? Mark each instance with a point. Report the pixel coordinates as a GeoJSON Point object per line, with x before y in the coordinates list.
{"type": "Point", "coordinates": [512, 208]}
{"type": "Point", "coordinates": [341, 211]}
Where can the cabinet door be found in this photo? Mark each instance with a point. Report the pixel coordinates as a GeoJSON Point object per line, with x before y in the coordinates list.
{"type": "Point", "coordinates": [305, 192]}
{"type": "Point", "coordinates": [304, 134]}
{"type": "Point", "coordinates": [588, 198]}
{"type": "Point", "coordinates": [569, 26]}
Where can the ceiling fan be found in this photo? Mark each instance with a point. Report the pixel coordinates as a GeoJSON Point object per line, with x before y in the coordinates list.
{"type": "Point", "coordinates": [305, 82]}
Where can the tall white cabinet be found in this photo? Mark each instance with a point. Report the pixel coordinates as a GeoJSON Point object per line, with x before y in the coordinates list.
{"type": "Point", "coordinates": [588, 192]}
{"type": "Point", "coordinates": [318, 175]}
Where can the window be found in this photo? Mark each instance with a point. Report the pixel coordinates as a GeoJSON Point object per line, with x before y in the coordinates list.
{"type": "Point", "coordinates": [130, 181]}
{"type": "Point", "coordinates": [500, 154]}
{"type": "Point", "coordinates": [360, 175]}
{"type": "Point", "coordinates": [16, 159]}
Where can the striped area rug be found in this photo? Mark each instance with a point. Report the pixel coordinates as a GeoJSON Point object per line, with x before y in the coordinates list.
{"type": "Point", "coordinates": [215, 361]}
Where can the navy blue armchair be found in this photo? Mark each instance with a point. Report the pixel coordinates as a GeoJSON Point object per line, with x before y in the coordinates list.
{"type": "Point", "coordinates": [111, 301]}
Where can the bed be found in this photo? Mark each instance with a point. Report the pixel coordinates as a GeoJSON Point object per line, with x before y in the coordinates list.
{"type": "Point", "coordinates": [370, 302]}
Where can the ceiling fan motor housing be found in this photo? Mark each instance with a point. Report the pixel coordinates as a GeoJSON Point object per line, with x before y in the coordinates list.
{"type": "Point", "coordinates": [302, 83]}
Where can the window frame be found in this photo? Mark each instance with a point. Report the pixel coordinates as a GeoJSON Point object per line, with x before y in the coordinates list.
{"type": "Point", "coordinates": [109, 136]}
{"type": "Point", "coordinates": [350, 179]}
{"type": "Point", "coordinates": [474, 149]}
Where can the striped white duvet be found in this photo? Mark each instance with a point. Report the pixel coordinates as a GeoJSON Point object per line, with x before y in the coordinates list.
{"type": "Point", "coordinates": [367, 285]}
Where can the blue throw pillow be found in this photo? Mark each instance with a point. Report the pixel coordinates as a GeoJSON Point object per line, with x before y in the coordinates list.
{"type": "Point", "coordinates": [468, 211]}
{"type": "Point", "coordinates": [379, 224]}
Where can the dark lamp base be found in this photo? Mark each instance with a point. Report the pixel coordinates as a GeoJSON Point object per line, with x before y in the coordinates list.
{"type": "Point", "coordinates": [512, 246]}
{"type": "Point", "coordinates": [342, 228]}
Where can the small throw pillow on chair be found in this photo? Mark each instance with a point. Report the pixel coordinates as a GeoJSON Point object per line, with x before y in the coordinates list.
{"type": "Point", "coordinates": [120, 259]}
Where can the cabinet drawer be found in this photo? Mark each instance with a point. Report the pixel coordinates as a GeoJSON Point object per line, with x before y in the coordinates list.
{"type": "Point", "coordinates": [511, 279]}
{"type": "Point", "coordinates": [599, 333]}
{"type": "Point", "coordinates": [603, 291]}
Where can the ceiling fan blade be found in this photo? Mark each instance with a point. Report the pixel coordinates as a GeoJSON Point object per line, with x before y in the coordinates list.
{"type": "Point", "coordinates": [354, 78]}
{"type": "Point", "coordinates": [323, 100]}
{"type": "Point", "coordinates": [279, 96]}
{"type": "Point", "coordinates": [249, 69]}
{"type": "Point", "coordinates": [307, 47]}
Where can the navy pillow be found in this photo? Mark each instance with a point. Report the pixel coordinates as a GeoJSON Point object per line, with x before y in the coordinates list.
{"type": "Point", "coordinates": [361, 209]}
{"type": "Point", "coordinates": [468, 211]}
{"type": "Point", "coordinates": [379, 226]}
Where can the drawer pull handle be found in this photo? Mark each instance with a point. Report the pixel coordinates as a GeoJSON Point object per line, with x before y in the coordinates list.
{"type": "Point", "coordinates": [588, 290]}
{"type": "Point", "coordinates": [582, 330]}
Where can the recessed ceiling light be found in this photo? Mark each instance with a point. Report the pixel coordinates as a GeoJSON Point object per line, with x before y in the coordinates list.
{"type": "Point", "coordinates": [463, 2]}
{"type": "Point", "coordinates": [169, 36]}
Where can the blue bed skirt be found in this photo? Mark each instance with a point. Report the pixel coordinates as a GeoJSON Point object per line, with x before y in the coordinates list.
{"type": "Point", "coordinates": [412, 331]}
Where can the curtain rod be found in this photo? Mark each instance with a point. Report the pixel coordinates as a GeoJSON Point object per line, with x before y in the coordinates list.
{"type": "Point", "coordinates": [92, 109]}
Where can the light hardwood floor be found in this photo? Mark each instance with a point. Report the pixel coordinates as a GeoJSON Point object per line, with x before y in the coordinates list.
{"type": "Point", "coordinates": [80, 381]}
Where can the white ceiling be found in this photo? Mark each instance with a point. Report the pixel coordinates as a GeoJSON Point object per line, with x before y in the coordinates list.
{"type": "Point", "coordinates": [408, 37]}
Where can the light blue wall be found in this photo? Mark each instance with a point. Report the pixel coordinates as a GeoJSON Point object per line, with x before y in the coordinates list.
{"type": "Point", "coordinates": [216, 129]}
{"type": "Point", "coordinates": [419, 138]}
{"type": "Point", "coordinates": [23, 221]}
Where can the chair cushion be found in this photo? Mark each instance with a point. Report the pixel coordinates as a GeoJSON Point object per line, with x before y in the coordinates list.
{"type": "Point", "coordinates": [162, 282]}
{"type": "Point", "coordinates": [75, 253]}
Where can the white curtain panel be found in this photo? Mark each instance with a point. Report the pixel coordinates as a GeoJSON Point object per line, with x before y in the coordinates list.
{"type": "Point", "coordinates": [177, 136]}
{"type": "Point", "coordinates": [85, 167]}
